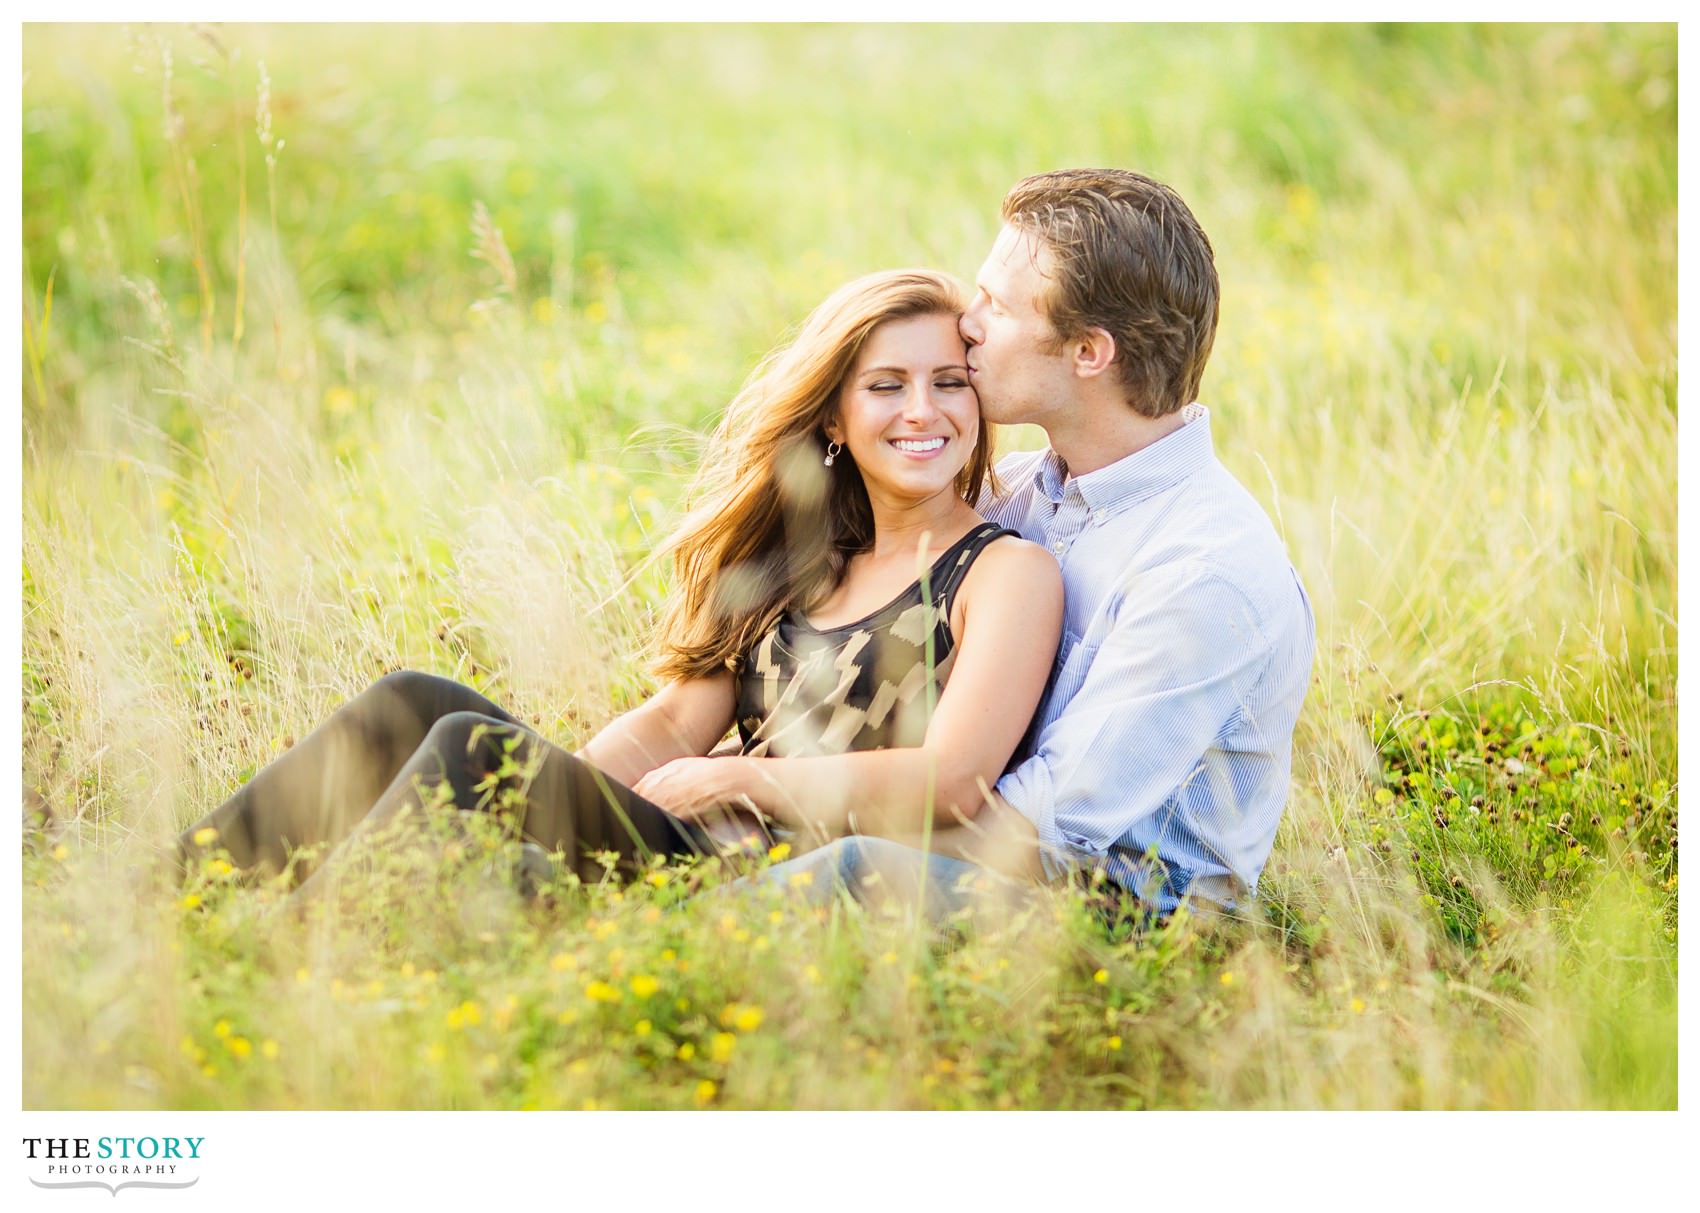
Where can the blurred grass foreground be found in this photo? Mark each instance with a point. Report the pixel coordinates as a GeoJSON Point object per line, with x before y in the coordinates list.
{"type": "Point", "coordinates": [355, 348]}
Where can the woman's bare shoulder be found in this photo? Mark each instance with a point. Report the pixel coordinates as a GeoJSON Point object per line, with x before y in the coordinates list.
{"type": "Point", "coordinates": [1018, 554]}
{"type": "Point", "coordinates": [1012, 566]}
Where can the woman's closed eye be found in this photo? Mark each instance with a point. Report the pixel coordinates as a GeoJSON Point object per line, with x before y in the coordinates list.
{"type": "Point", "coordinates": [950, 383]}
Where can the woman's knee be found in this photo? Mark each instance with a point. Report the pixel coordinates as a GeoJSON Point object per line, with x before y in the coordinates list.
{"type": "Point", "coordinates": [426, 694]}
{"type": "Point", "coordinates": [459, 732]}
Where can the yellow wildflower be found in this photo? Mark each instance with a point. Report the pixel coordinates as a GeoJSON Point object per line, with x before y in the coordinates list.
{"type": "Point", "coordinates": [721, 1048]}
{"type": "Point", "coordinates": [601, 991]}
{"type": "Point", "coordinates": [1114, 1043]}
{"type": "Point", "coordinates": [1358, 1006]}
{"type": "Point", "coordinates": [687, 1051]}
{"type": "Point", "coordinates": [191, 900]}
{"type": "Point", "coordinates": [748, 1019]}
{"type": "Point", "coordinates": [780, 853]}
{"type": "Point", "coordinates": [643, 985]}
{"type": "Point", "coordinates": [61, 852]}
{"type": "Point", "coordinates": [221, 1029]}
{"type": "Point", "coordinates": [1227, 979]}
{"type": "Point", "coordinates": [562, 961]}
{"type": "Point", "coordinates": [206, 836]}
{"type": "Point", "coordinates": [706, 1090]}
{"type": "Point", "coordinates": [1101, 976]}
{"type": "Point", "coordinates": [238, 1045]}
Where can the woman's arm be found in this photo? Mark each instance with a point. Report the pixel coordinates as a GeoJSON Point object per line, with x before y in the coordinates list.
{"type": "Point", "coordinates": [1012, 602]}
{"type": "Point", "coordinates": [684, 719]}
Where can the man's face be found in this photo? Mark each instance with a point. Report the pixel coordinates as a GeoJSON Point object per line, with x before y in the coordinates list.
{"type": "Point", "coordinates": [1017, 381]}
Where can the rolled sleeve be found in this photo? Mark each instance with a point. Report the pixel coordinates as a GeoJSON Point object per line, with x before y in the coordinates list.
{"type": "Point", "coordinates": [1170, 677]}
{"type": "Point", "coordinates": [1028, 790]}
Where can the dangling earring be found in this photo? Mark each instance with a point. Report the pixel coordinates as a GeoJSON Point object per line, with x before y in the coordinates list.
{"type": "Point", "coordinates": [832, 449]}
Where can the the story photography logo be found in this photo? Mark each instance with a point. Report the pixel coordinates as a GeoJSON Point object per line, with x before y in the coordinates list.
{"type": "Point", "coordinates": [113, 1162]}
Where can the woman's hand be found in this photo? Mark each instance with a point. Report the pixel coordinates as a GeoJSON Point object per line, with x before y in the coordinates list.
{"type": "Point", "coordinates": [692, 788]}
{"type": "Point", "coordinates": [685, 717]}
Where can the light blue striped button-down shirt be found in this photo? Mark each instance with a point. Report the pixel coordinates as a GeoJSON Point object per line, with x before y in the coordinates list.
{"type": "Point", "coordinates": [1167, 729]}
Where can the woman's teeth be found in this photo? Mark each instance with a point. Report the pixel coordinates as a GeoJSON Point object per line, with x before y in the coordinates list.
{"type": "Point", "coordinates": [919, 446]}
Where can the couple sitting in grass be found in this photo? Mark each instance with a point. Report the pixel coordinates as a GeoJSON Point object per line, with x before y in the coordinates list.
{"type": "Point", "coordinates": [944, 679]}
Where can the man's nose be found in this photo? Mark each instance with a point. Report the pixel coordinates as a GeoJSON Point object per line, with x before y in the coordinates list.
{"type": "Point", "coordinates": [969, 325]}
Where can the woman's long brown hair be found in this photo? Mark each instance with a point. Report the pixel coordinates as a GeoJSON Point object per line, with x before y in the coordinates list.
{"type": "Point", "coordinates": [768, 527]}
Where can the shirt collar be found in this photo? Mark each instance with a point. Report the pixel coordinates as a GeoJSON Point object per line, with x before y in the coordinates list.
{"type": "Point", "coordinates": [1141, 475]}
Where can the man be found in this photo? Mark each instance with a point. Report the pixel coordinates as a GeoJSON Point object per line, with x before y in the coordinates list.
{"type": "Point", "coordinates": [1162, 749]}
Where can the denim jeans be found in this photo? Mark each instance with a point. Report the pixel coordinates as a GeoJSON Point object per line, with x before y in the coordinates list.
{"type": "Point", "coordinates": [877, 872]}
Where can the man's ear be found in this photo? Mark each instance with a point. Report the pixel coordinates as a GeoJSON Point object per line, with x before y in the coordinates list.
{"type": "Point", "coordinates": [1094, 351]}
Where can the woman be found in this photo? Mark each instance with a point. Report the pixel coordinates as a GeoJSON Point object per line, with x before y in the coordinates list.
{"type": "Point", "coordinates": [836, 594]}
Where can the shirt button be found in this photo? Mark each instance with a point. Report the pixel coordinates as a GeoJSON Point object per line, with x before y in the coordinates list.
{"type": "Point", "coordinates": [1098, 516]}
{"type": "Point", "coordinates": [1059, 547]}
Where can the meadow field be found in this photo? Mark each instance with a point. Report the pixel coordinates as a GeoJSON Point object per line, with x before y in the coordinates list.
{"type": "Point", "coordinates": [358, 348]}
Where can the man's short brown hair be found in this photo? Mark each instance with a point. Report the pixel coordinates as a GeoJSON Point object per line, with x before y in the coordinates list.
{"type": "Point", "coordinates": [1129, 258]}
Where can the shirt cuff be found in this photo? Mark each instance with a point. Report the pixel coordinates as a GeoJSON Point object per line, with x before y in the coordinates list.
{"type": "Point", "coordinates": [1028, 791]}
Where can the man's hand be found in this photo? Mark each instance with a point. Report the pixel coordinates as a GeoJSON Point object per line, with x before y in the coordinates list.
{"type": "Point", "coordinates": [694, 788]}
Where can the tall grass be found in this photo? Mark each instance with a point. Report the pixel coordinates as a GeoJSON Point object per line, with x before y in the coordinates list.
{"type": "Point", "coordinates": [266, 461]}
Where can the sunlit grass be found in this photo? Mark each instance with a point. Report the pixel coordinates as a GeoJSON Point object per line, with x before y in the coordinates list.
{"type": "Point", "coordinates": [1446, 366]}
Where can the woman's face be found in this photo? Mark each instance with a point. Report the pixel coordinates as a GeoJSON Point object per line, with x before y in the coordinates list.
{"type": "Point", "coordinates": [906, 411]}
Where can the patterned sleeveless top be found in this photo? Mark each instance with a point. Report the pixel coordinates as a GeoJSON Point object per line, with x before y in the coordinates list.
{"type": "Point", "coordinates": [865, 686]}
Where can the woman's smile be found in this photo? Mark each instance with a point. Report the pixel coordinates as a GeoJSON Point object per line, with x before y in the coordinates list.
{"type": "Point", "coordinates": [921, 448]}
